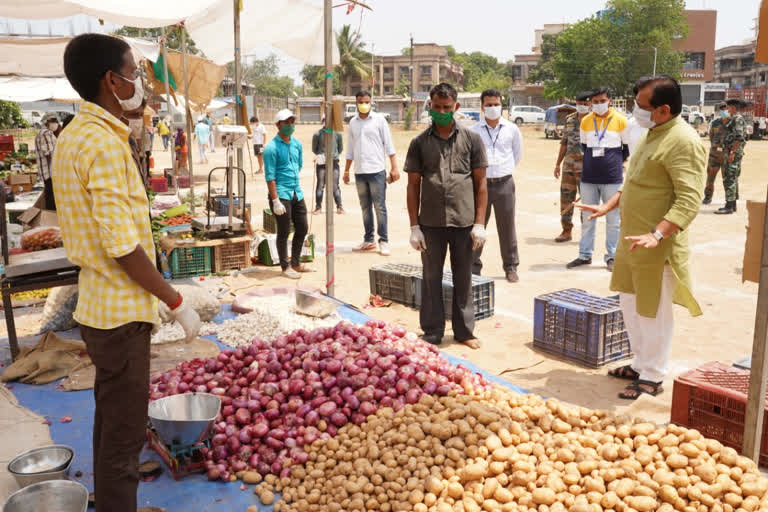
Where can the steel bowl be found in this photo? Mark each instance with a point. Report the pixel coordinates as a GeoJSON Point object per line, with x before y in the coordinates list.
{"type": "Point", "coordinates": [41, 464]}
{"type": "Point", "coordinates": [184, 419]}
{"type": "Point", "coordinates": [314, 304]}
{"type": "Point", "coordinates": [52, 496]}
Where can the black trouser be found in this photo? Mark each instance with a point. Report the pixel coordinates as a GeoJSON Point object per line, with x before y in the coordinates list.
{"type": "Point", "coordinates": [50, 200]}
{"type": "Point", "coordinates": [320, 188]}
{"type": "Point", "coordinates": [296, 211]}
{"type": "Point", "coordinates": [121, 392]}
{"type": "Point", "coordinates": [432, 313]}
{"type": "Point", "coordinates": [501, 197]}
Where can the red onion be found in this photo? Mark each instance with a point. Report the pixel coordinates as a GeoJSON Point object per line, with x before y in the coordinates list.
{"type": "Point", "coordinates": [213, 474]}
{"type": "Point", "coordinates": [243, 416]}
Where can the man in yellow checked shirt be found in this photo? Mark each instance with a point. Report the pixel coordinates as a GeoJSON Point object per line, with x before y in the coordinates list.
{"type": "Point", "coordinates": [104, 220]}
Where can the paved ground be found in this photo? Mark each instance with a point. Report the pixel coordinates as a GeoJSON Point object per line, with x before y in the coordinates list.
{"type": "Point", "coordinates": [723, 333]}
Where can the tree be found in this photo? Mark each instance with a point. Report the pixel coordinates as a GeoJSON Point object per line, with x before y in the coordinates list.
{"type": "Point", "coordinates": [353, 58]}
{"type": "Point", "coordinates": [264, 76]}
{"type": "Point", "coordinates": [616, 47]}
{"type": "Point", "coordinates": [314, 76]}
{"type": "Point", "coordinates": [544, 72]}
{"type": "Point", "coordinates": [403, 86]}
{"type": "Point", "coordinates": [480, 70]}
{"type": "Point", "coordinates": [173, 41]}
{"type": "Point", "coordinates": [10, 115]}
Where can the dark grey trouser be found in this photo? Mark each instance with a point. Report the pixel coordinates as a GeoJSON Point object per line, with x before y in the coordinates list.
{"type": "Point", "coordinates": [432, 313]}
{"type": "Point", "coordinates": [501, 197]}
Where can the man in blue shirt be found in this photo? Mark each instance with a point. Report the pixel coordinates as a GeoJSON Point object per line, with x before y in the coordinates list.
{"type": "Point", "coordinates": [283, 160]}
{"type": "Point", "coordinates": [203, 135]}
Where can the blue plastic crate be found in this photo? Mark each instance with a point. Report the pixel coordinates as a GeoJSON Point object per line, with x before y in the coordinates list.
{"type": "Point", "coordinates": [581, 327]}
{"type": "Point", "coordinates": [483, 295]}
{"type": "Point", "coordinates": [221, 206]}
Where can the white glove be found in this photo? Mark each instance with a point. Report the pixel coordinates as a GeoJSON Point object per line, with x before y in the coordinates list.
{"type": "Point", "coordinates": [479, 236]}
{"type": "Point", "coordinates": [278, 208]}
{"type": "Point", "coordinates": [189, 320]}
{"type": "Point", "coordinates": [417, 239]}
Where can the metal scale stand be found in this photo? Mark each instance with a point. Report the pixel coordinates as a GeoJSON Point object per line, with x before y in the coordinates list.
{"type": "Point", "coordinates": [181, 460]}
{"type": "Point", "coordinates": [230, 225]}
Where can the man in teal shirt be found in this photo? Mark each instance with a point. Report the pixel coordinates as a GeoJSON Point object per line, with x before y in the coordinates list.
{"type": "Point", "coordinates": [203, 135]}
{"type": "Point", "coordinates": [283, 160]}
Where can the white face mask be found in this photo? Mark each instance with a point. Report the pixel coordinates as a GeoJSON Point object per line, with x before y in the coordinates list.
{"type": "Point", "coordinates": [643, 117]}
{"type": "Point", "coordinates": [600, 108]}
{"type": "Point", "coordinates": [134, 101]}
{"type": "Point", "coordinates": [136, 126]}
{"type": "Point", "coordinates": [582, 109]}
{"type": "Point", "coordinates": [492, 113]}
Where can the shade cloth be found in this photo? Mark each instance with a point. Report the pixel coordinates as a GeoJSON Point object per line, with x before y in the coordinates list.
{"type": "Point", "coordinates": [23, 88]}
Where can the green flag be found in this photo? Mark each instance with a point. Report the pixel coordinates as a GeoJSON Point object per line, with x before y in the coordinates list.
{"type": "Point", "coordinates": [159, 69]}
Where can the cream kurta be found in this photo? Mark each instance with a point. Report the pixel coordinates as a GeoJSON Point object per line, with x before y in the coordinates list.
{"type": "Point", "coordinates": [665, 181]}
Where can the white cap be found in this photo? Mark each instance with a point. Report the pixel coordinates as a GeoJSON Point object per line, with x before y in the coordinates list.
{"type": "Point", "coordinates": [283, 115]}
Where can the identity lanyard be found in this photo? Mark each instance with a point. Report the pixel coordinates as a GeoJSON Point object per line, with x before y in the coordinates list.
{"type": "Point", "coordinates": [601, 135]}
{"type": "Point", "coordinates": [493, 144]}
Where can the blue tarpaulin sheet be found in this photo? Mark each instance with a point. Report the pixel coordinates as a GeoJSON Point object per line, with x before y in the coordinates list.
{"type": "Point", "coordinates": [194, 492]}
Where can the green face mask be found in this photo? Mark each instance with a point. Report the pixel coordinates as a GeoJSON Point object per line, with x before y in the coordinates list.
{"type": "Point", "coordinates": [287, 130]}
{"type": "Point", "coordinates": [441, 118]}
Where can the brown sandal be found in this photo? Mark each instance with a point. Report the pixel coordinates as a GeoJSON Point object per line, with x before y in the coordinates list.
{"type": "Point", "coordinates": [637, 388]}
{"type": "Point", "coordinates": [624, 372]}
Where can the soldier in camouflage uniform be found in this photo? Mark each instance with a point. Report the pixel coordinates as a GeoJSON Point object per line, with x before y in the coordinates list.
{"type": "Point", "coordinates": [570, 157]}
{"type": "Point", "coordinates": [733, 151]}
{"type": "Point", "coordinates": [716, 138]}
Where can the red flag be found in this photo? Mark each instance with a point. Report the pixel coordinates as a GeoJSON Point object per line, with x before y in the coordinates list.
{"type": "Point", "coordinates": [350, 8]}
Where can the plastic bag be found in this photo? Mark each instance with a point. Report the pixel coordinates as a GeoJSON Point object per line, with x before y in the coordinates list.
{"type": "Point", "coordinates": [43, 237]}
{"type": "Point", "coordinates": [163, 203]}
{"type": "Point", "coordinates": [205, 304]}
{"type": "Point", "coordinates": [59, 308]}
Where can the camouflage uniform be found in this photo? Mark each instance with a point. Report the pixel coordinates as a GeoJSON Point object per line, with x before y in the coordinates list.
{"type": "Point", "coordinates": [716, 138]}
{"type": "Point", "coordinates": [571, 174]}
{"type": "Point", "coordinates": [735, 137]}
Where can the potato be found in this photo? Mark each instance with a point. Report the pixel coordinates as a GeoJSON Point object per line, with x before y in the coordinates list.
{"type": "Point", "coordinates": [473, 472]}
{"type": "Point", "coordinates": [729, 456]}
{"type": "Point", "coordinates": [609, 500]}
{"type": "Point", "coordinates": [689, 450]}
{"type": "Point", "coordinates": [668, 441]}
{"type": "Point", "coordinates": [434, 485]}
{"type": "Point", "coordinates": [677, 461]}
{"type": "Point", "coordinates": [455, 490]}
{"type": "Point", "coordinates": [642, 429]}
{"type": "Point", "coordinates": [543, 496]}
{"type": "Point", "coordinates": [642, 503]}
{"type": "Point", "coordinates": [251, 477]}
{"type": "Point", "coordinates": [503, 495]}
{"type": "Point", "coordinates": [757, 487]}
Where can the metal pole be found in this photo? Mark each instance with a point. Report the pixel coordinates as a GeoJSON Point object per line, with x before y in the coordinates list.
{"type": "Point", "coordinates": [373, 71]}
{"type": "Point", "coordinates": [329, 136]}
{"type": "Point", "coordinates": [655, 52]}
{"type": "Point", "coordinates": [412, 70]}
{"type": "Point", "coordinates": [168, 103]}
{"type": "Point", "coordinates": [188, 114]}
{"type": "Point", "coordinates": [238, 112]}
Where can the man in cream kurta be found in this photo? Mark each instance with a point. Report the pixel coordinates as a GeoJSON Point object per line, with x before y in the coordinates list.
{"type": "Point", "coordinates": [659, 199]}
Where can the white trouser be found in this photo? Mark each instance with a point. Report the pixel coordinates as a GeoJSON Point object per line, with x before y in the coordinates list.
{"type": "Point", "coordinates": [651, 338]}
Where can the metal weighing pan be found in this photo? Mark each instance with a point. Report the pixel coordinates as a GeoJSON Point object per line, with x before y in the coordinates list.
{"type": "Point", "coordinates": [184, 419]}
{"type": "Point", "coordinates": [314, 303]}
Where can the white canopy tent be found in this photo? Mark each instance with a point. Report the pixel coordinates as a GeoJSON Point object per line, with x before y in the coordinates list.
{"type": "Point", "coordinates": [25, 88]}
{"type": "Point", "coordinates": [208, 22]}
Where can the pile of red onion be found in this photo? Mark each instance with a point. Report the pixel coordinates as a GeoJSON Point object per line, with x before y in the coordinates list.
{"type": "Point", "coordinates": [278, 397]}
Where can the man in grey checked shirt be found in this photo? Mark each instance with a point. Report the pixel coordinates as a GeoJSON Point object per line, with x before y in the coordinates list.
{"type": "Point", "coordinates": [45, 143]}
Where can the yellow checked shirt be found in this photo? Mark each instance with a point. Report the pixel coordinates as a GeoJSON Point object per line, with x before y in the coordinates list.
{"type": "Point", "coordinates": [103, 215]}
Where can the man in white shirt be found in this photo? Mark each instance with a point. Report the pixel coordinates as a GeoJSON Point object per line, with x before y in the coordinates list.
{"type": "Point", "coordinates": [368, 144]}
{"type": "Point", "coordinates": [504, 148]}
{"type": "Point", "coordinates": [259, 134]}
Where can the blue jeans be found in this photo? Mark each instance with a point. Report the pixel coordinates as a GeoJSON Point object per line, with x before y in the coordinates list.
{"type": "Point", "coordinates": [595, 194]}
{"type": "Point", "coordinates": [372, 191]}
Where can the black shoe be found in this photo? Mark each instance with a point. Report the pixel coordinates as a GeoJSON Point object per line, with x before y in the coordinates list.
{"type": "Point", "coordinates": [730, 207]}
{"type": "Point", "coordinates": [707, 200]}
{"type": "Point", "coordinates": [512, 276]}
{"type": "Point", "coordinates": [578, 262]}
{"type": "Point", "coordinates": [434, 339]}
{"type": "Point", "coordinates": [609, 265]}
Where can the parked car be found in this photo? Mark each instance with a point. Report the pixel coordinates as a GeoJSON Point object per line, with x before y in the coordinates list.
{"type": "Point", "coordinates": [520, 114]}
{"type": "Point", "coordinates": [350, 111]}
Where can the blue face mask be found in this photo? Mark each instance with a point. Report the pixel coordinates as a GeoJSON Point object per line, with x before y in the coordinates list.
{"type": "Point", "coordinates": [724, 113]}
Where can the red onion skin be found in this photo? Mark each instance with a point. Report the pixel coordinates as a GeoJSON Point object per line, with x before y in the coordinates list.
{"type": "Point", "coordinates": [243, 416]}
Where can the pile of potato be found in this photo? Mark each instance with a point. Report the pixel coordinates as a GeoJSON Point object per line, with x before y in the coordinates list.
{"type": "Point", "coordinates": [502, 451]}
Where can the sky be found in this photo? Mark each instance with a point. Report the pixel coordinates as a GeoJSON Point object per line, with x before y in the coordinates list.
{"type": "Point", "coordinates": [501, 28]}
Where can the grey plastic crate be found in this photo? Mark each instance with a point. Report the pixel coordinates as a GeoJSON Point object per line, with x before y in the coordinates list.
{"type": "Point", "coordinates": [395, 282]}
{"type": "Point", "coordinates": [483, 295]}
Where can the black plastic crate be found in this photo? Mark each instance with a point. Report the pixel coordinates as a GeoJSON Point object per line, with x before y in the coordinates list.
{"type": "Point", "coordinates": [395, 282]}
{"type": "Point", "coordinates": [483, 295]}
{"type": "Point", "coordinates": [581, 327]}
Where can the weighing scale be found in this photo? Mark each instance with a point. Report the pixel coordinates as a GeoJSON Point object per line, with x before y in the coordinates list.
{"type": "Point", "coordinates": [226, 226]}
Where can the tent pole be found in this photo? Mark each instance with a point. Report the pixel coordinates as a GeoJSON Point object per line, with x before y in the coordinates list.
{"type": "Point", "coordinates": [188, 113]}
{"type": "Point", "coordinates": [753, 419]}
{"type": "Point", "coordinates": [329, 137]}
{"type": "Point", "coordinates": [168, 103]}
{"type": "Point", "coordinates": [238, 79]}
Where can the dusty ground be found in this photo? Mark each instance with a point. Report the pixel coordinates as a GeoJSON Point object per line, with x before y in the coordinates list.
{"type": "Point", "coordinates": [724, 332]}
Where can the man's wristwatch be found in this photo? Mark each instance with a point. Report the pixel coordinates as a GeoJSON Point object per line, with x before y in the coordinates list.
{"type": "Point", "coordinates": [657, 235]}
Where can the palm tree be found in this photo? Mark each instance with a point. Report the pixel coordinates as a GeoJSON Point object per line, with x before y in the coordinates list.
{"type": "Point", "coordinates": [352, 57]}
